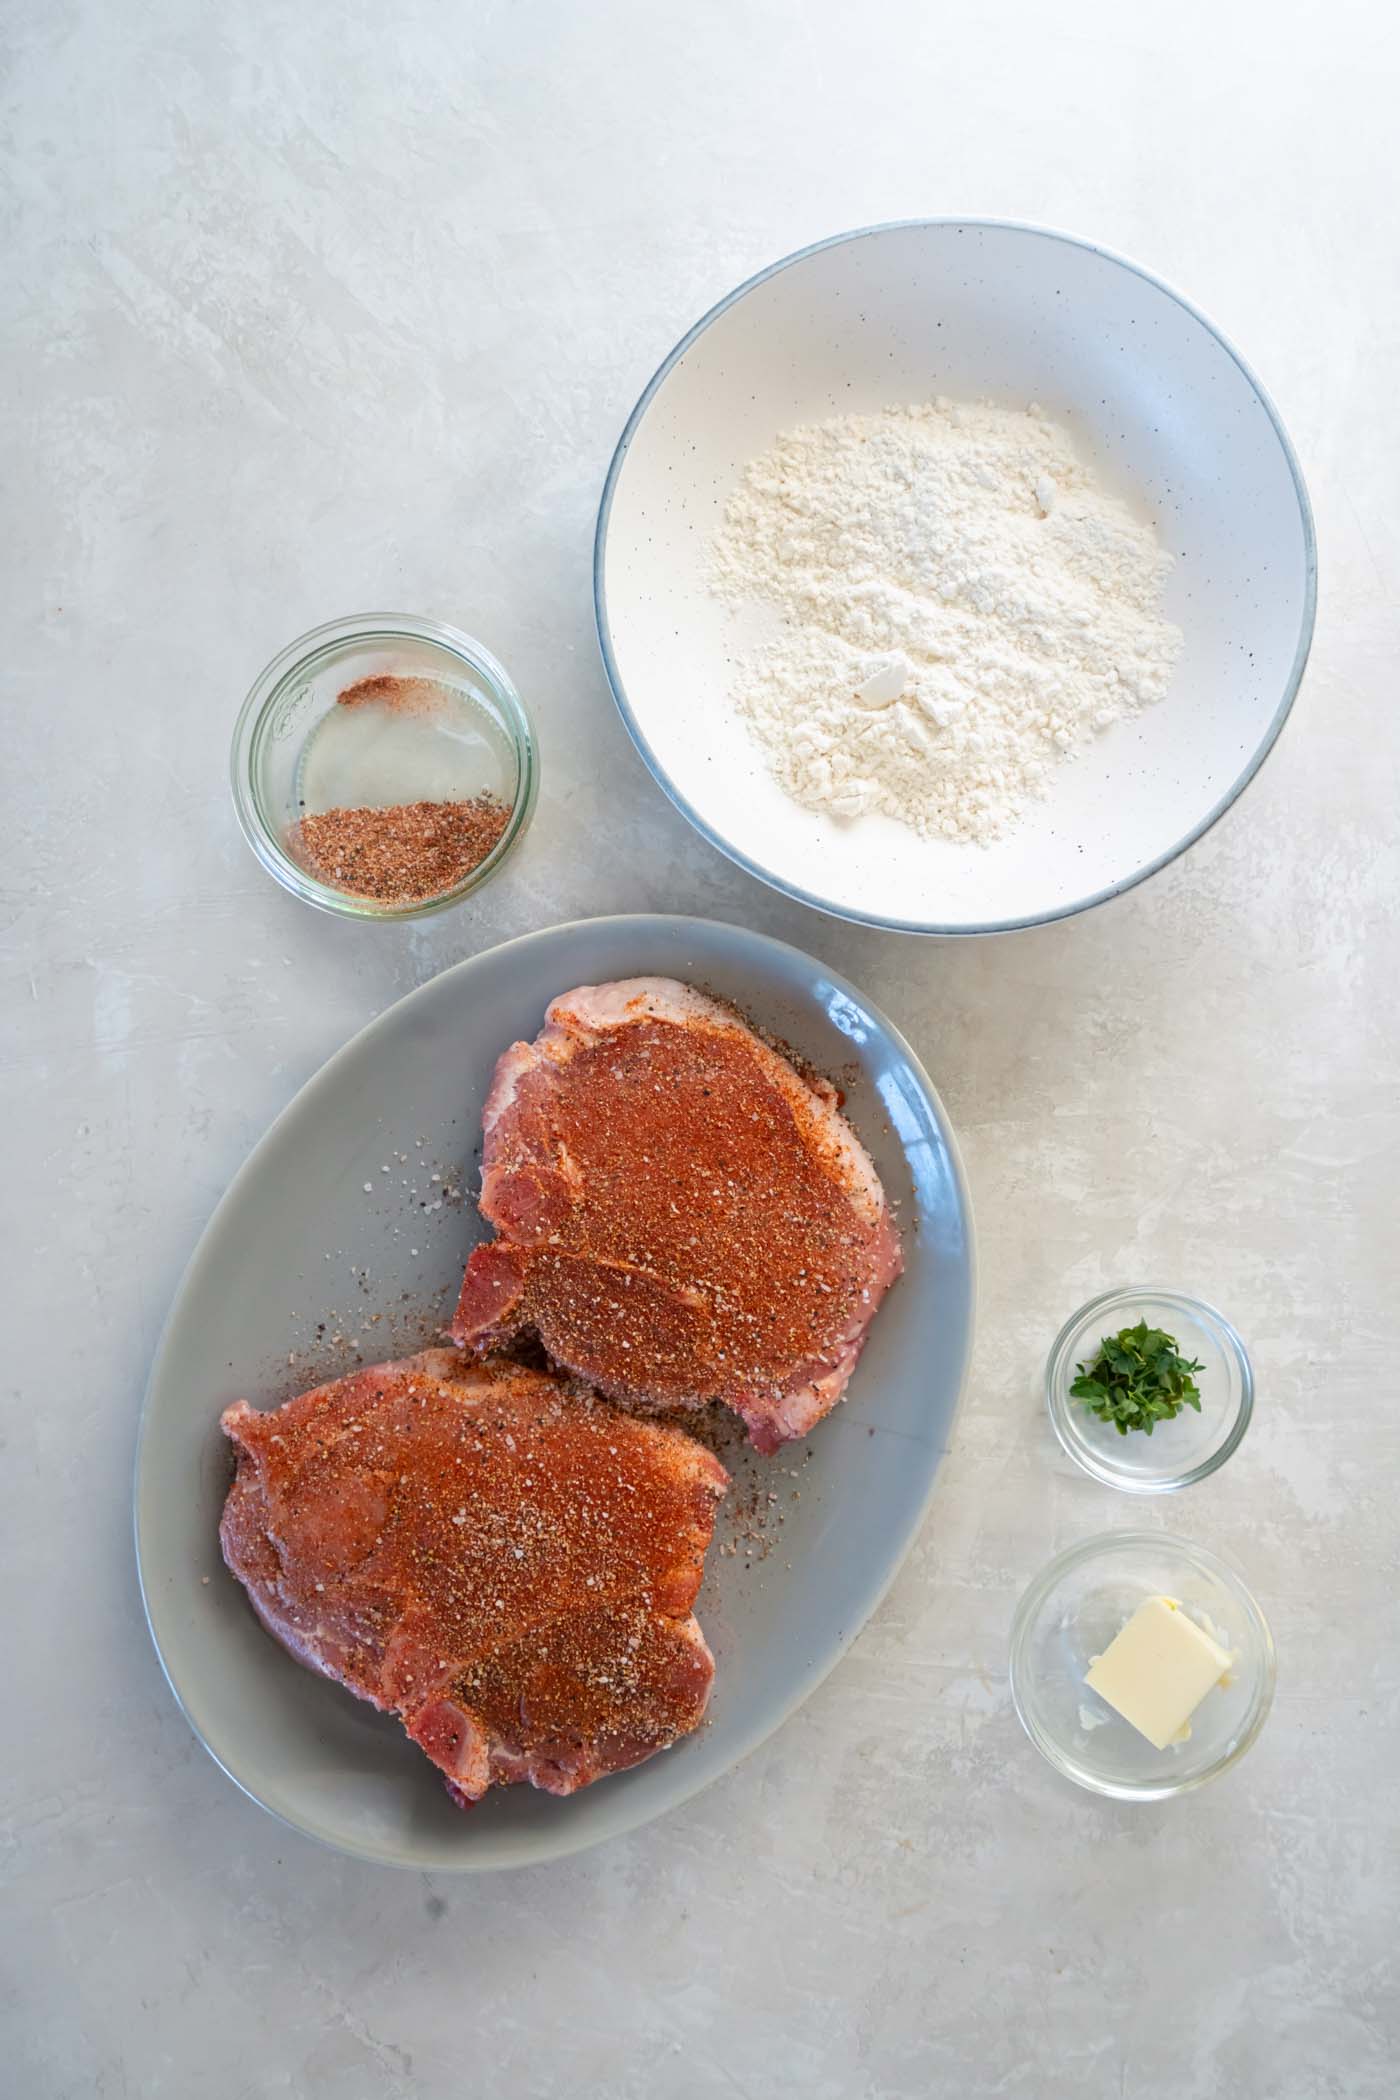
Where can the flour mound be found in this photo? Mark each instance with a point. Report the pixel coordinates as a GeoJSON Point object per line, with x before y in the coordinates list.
{"type": "Point", "coordinates": [962, 606]}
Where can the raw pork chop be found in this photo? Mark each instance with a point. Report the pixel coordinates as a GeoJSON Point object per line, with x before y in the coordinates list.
{"type": "Point", "coordinates": [682, 1216]}
{"type": "Point", "coordinates": [505, 1562]}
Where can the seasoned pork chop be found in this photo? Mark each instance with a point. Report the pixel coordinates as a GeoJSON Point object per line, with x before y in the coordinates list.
{"type": "Point", "coordinates": [504, 1561]}
{"type": "Point", "coordinates": [682, 1216]}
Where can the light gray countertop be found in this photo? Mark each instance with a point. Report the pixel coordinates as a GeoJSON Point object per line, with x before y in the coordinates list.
{"type": "Point", "coordinates": [311, 309]}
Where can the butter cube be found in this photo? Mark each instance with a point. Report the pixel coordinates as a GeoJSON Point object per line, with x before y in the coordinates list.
{"type": "Point", "coordinates": [1156, 1672]}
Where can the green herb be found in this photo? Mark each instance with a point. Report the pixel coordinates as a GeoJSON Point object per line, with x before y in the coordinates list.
{"type": "Point", "coordinates": [1137, 1379]}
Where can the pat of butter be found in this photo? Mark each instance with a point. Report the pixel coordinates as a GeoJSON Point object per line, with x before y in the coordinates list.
{"type": "Point", "coordinates": [1156, 1672]}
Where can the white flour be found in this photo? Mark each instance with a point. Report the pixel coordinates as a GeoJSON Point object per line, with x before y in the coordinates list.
{"type": "Point", "coordinates": [961, 603]}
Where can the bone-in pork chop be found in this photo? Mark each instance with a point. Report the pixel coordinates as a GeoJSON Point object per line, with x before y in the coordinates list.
{"type": "Point", "coordinates": [502, 1560]}
{"type": "Point", "coordinates": [682, 1216]}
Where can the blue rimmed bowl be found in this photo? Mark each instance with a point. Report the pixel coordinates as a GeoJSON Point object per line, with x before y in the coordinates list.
{"type": "Point", "coordinates": [1156, 401]}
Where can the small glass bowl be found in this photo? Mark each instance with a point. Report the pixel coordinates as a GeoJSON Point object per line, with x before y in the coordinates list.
{"type": "Point", "coordinates": [1180, 1452]}
{"type": "Point", "coordinates": [1068, 1616]}
{"type": "Point", "coordinates": [301, 686]}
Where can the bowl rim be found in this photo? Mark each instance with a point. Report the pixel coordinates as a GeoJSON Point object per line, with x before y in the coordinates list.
{"type": "Point", "coordinates": [1059, 1406]}
{"type": "Point", "coordinates": [1033, 1599]}
{"type": "Point", "coordinates": [961, 930]}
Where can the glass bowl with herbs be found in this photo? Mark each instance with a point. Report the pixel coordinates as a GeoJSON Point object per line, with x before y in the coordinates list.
{"type": "Point", "coordinates": [1149, 1390]}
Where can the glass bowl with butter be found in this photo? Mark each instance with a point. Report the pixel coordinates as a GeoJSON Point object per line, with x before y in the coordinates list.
{"type": "Point", "coordinates": [1178, 1452]}
{"type": "Point", "coordinates": [1141, 1665]}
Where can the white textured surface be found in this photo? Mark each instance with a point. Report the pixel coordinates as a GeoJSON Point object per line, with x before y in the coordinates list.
{"type": "Point", "coordinates": [312, 309]}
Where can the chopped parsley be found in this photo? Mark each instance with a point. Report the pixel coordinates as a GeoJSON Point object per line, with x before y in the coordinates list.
{"type": "Point", "coordinates": [1138, 1378]}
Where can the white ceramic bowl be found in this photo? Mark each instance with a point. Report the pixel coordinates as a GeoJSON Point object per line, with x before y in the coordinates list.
{"type": "Point", "coordinates": [1156, 400]}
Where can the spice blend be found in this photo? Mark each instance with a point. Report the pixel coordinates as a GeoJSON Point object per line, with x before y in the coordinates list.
{"type": "Point", "coordinates": [404, 854]}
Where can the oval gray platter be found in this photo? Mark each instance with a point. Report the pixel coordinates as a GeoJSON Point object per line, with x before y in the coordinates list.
{"type": "Point", "coordinates": [298, 1242]}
